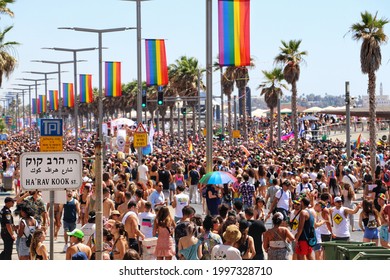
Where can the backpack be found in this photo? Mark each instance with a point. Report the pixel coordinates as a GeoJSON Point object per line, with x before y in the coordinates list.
{"type": "Point", "coordinates": [311, 236]}
{"type": "Point", "coordinates": [386, 177]}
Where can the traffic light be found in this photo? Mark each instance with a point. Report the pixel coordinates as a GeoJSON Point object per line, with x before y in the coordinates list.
{"type": "Point", "coordinates": [160, 98]}
{"type": "Point", "coordinates": [184, 110]}
{"type": "Point", "coordinates": [221, 137]}
{"type": "Point", "coordinates": [144, 101]}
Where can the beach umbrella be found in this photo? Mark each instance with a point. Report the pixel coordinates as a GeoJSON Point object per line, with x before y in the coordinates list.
{"type": "Point", "coordinates": [217, 178]}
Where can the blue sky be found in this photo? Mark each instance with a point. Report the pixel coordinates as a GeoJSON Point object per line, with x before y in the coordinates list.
{"type": "Point", "coordinates": [333, 57]}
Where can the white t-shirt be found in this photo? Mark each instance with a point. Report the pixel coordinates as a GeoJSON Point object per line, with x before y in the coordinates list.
{"type": "Point", "coordinates": [225, 252]}
{"type": "Point", "coordinates": [284, 199]}
{"type": "Point", "coordinates": [182, 200]}
{"type": "Point", "coordinates": [142, 171]}
{"type": "Point", "coordinates": [146, 221]}
{"type": "Point", "coordinates": [88, 230]}
{"type": "Point", "coordinates": [349, 179]}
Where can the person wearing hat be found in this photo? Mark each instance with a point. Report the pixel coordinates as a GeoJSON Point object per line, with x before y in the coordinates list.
{"type": "Point", "coordinates": [339, 215]}
{"type": "Point", "coordinates": [349, 178]}
{"type": "Point", "coordinates": [304, 186]}
{"type": "Point", "coordinates": [226, 251]}
{"type": "Point", "coordinates": [77, 247]}
{"type": "Point", "coordinates": [7, 228]}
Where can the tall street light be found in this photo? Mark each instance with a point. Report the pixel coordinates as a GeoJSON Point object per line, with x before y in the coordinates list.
{"type": "Point", "coordinates": [209, 86]}
{"type": "Point", "coordinates": [36, 94]}
{"type": "Point", "coordinates": [76, 105]}
{"type": "Point", "coordinates": [45, 74]}
{"type": "Point", "coordinates": [139, 68]}
{"type": "Point", "coordinates": [59, 63]}
{"type": "Point", "coordinates": [21, 90]}
{"type": "Point", "coordinates": [98, 154]}
{"type": "Point", "coordinates": [29, 98]}
{"type": "Point", "coordinates": [17, 108]}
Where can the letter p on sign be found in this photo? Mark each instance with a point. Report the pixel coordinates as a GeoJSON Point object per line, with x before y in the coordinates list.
{"type": "Point", "coordinates": [51, 127]}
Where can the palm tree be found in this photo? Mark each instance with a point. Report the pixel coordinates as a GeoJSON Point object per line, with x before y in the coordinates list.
{"type": "Point", "coordinates": [185, 78]}
{"type": "Point", "coordinates": [271, 89]}
{"type": "Point", "coordinates": [4, 9]}
{"type": "Point", "coordinates": [370, 31]}
{"type": "Point", "coordinates": [290, 56]}
{"type": "Point", "coordinates": [7, 61]}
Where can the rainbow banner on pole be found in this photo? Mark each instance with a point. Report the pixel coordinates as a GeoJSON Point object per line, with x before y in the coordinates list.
{"type": "Point", "coordinates": [42, 104]}
{"type": "Point", "coordinates": [34, 106]}
{"type": "Point", "coordinates": [156, 63]}
{"type": "Point", "coordinates": [86, 88]}
{"type": "Point", "coordinates": [68, 94]}
{"type": "Point", "coordinates": [234, 32]}
{"type": "Point", "coordinates": [53, 98]}
{"type": "Point", "coordinates": [113, 79]}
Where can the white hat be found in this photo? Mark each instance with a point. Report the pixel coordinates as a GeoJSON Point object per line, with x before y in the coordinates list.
{"type": "Point", "coordinates": [337, 199]}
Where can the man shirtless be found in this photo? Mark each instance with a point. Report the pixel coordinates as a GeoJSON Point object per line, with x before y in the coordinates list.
{"type": "Point", "coordinates": [139, 200]}
{"type": "Point", "coordinates": [108, 203]}
{"type": "Point", "coordinates": [130, 220]}
{"type": "Point", "coordinates": [76, 241]}
{"type": "Point", "coordinates": [123, 207]}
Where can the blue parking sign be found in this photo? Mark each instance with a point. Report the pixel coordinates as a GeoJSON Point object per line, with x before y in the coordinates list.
{"type": "Point", "coordinates": [51, 127]}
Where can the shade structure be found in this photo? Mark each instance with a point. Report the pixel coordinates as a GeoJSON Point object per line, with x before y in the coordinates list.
{"type": "Point", "coordinates": [122, 121]}
{"type": "Point", "coordinates": [313, 110]}
{"type": "Point", "coordinates": [217, 178]}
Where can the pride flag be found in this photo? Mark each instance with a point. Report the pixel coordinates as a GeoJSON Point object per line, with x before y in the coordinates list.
{"type": "Point", "coordinates": [68, 93]}
{"type": "Point", "coordinates": [34, 106]}
{"type": "Point", "coordinates": [86, 88]}
{"type": "Point", "coordinates": [42, 104]}
{"type": "Point", "coordinates": [156, 62]}
{"type": "Point", "coordinates": [234, 33]}
{"type": "Point", "coordinates": [113, 79]}
{"type": "Point", "coordinates": [358, 141]}
{"type": "Point", "coordinates": [53, 98]}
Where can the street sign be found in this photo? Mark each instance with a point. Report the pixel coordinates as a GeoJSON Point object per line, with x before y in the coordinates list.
{"type": "Point", "coordinates": [236, 134]}
{"type": "Point", "coordinates": [140, 129]}
{"type": "Point", "coordinates": [51, 170]}
{"type": "Point", "coordinates": [140, 140]}
{"type": "Point", "coordinates": [50, 143]}
{"type": "Point", "coordinates": [51, 127]}
{"type": "Point", "coordinates": [204, 132]}
{"type": "Point", "coordinates": [3, 139]}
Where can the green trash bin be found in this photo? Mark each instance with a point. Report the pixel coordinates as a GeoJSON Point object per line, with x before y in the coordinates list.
{"type": "Point", "coordinates": [330, 247]}
{"type": "Point", "coordinates": [349, 252]}
{"type": "Point", "coordinates": [372, 256]}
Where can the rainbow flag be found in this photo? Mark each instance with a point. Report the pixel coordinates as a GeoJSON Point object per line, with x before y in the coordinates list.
{"type": "Point", "coordinates": [358, 141]}
{"type": "Point", "coordinates": [68, 94]}
{"type": "Point", "coordinates": [53, 96]}
{"type": "Point", "coordinates": [113, 79]}
{"type": "Point", "coordinates": [86, 88]}
{"type": "Point", "coordinates": [156, 62]}
{"type": "Point", "coordinates": [34, 106]}
{"type": "Point", "coordinates": [42, 104]}
{"type": "Point", "coordinates": [234, 33]}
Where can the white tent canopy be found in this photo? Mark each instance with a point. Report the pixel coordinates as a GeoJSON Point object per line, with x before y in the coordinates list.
{"type": "Point", "coordinates": [259, 112]}
{"type": "Point", "coordinates": [312, 110]}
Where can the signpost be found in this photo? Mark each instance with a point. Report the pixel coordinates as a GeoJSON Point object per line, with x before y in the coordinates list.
{"type": "Point", "coordinates": [236, 134]}
{"type": "Point", "coordinates": [51, 135]}
{"type": "Point", "coordinates": [3, 139]}
{"type": "Point", "coordinates": [140, 137]}
{"type": "Point", "coordinates": [51, 170]}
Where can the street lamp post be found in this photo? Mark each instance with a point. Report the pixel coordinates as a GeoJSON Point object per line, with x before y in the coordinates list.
{"type": "Point", "coordinates": [36, 96]}
{"type": "Point", "coordinates": [209, 86]}
{"type": "Point", "coordinates": [348, 119]}
{"type": "Point", "coordinates": [59, 63]}
{"type": "Point", "coordinates": [98, 154]}
{"type": "Point", "coordinates": [22, 92]}
{"type": "Point", "coordinates": [29, 98]}
{"type": "Point", "coordinates": [76, 105]}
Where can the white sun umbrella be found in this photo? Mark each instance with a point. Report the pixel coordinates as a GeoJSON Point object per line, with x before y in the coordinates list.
{"type": "Point", "coordinates": [122, 121]}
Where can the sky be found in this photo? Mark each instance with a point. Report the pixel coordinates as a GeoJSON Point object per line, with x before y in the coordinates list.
{"type": "Point", "coordinates": [333, 57]}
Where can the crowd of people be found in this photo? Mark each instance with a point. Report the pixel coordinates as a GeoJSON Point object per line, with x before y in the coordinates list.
{"type": "Point", "coordinates": [309, 194]}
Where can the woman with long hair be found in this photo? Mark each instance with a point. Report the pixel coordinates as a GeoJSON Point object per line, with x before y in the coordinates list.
{"type": "Point", "coordinates": [275, 239]}
{"type": "Point", "coordinates": [38, 250]}
{"type": "Point", "coordinates": [334, 187]}
{"type": "Point", "coordinates": [188, 246]}
{"type": "Point", "coordinates": [258, 210]}
{"type": "Point", "coordinates": [348, 195]}
{"type": "Point", "coordinates": [120, 241]}
{"type": "Point", "coordinates": [262, 189]}
{"type": "Point", "coordinates": [84, 202]}
{"type": "Point", "coordinates": [27, 226]}
{"type": "Point", "coordinates": [164, 226]}
{"type": "Point", "coordinates": [369, 222]}
{"type": "Point", "coordinates": [245, 245]}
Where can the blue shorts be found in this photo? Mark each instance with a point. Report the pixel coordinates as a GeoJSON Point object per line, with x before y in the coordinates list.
{"type": "Point", "coordinates": [172, 186]}
{"type": "Point", "coordinates": [370, 233]}
{"type": "Point", "coordinates": [69, 226]}
{"type": "Point", "coordinates": [384, 233]}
